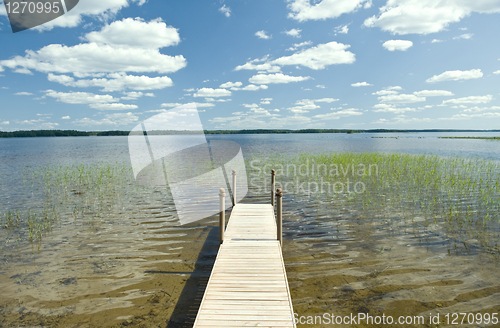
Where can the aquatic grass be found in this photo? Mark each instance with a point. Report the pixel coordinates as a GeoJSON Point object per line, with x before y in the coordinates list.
{"type": "Point", "coordinates": [27, 225]}
{"type": "Point", "coordinates": [87, 191]}
{"type": "Point", "coordinates": [10, 219]}
{"type": "Point", "coordinates": [460, 196]}
{"type": "Point", "coordinates": [486, 138]}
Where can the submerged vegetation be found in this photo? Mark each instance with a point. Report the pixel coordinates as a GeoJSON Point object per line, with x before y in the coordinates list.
{"type": "Point", "coordinates": [488, 138]}
{"type": "Point", "coordinates": [36, 224]}
{"type": "Point", "coordinates": [343, 213]}
{"type": "Point", "coordinates": [458, 198]}
{"type": "Point", "coordinates": [73, 191]}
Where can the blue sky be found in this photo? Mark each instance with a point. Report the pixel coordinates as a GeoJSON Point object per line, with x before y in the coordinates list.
{"type": "Point", "coordinates": [110, 64]}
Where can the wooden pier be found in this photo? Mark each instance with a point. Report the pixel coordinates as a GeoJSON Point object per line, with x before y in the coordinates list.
{"type": "Point", "coordinates": [248, 286]}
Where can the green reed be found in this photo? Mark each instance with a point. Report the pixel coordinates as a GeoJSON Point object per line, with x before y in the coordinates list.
{"type": "Point", "coordinates": [66, 192]}
{"type": "Point", "coordinates": [460, 195]}
{"type": "Point", "coordinates": [28, 224]}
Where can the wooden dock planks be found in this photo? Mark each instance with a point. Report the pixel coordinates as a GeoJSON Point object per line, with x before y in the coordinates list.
{"type": "Point", "coordinates": [248, 286]}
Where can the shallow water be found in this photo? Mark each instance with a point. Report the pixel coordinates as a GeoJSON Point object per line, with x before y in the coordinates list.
{"type": "Point", "coordinates": [341, 264]}
{"type": "Point", "coordinates": [124, 259]}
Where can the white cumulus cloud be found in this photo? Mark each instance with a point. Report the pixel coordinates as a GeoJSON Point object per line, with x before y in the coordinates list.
{"type": "Point", "coordinates": [385, 92]}
{"type": "Point", "coordinates": [456, 76]}
{"type": "Point", "coordinates": [225, 10]}
{"type": "Point", "coordinates": [319, 57]}
{"type": "Point", "coordinates": [339, 113]}
{"type": "Point", "coordinates": [469, 100]}
{"type": "Point", "coordinates": [401, 45]}
{"type": "Point", "coordinates": [433, 93]}
{"type": "Point", "coordinates": [254, 105]}
{"type": "Point", "coordinates": [129, 45]}
{"type": "Point", "coordinates": [261, 64]}
{"type": "Point", "coordinates": [230, 85]}
{"type": "Point", "coordinates": [276, 78]}
{"type": "Point", "coordinates": [132, 95]}
{"type": "Point", "coordinates": [386, 108]}
{"type": "Point", "coordinates": [262, 35]}
{"type": "Point", "coordinates": [299, 45]}
{"type": "Point", "coordinates": [136, 33]}
{"type": "Point", "coordinates": [361, 84]}
{"type": "Point", "coordinates": [388, 91]}
{"type": "Point", "coordinates": [294, 32]}
{"type": "Point", "coordinates": [39, 124]}
{"type": "Point", "coordinates": [426, 16]}
{"type": "Point", "coordinates": [476, 109]}
{"type": "Point", "coordinates": [112, 106]}
{"type": "Point", "coordinates": [326, 100]}
{"type": "Point", "coordinates": [466, 36]}
{"type": "Point", "coordinates": [80, 97]}
{"type": "Point", "coordinates": [115, 82]}
{"type": "Point", "coordinates": [305, 105]}
{"type": "Point", "coordinates": [212, 93]}
{"type": "Point", "coordinates": [251, 87]}
{"type": "Point", "coordinates": [401, 98]}
{"type": "Point", "coordinates": [216, 100]}
{"type": "Point", "coordinates": [116, 119]}
{"type": "Point", "coordinates": [342, 29]}
{"type": "Point", "coordinates": [303, 10]}
{"type": "Point", "coordinates": [197, 104]}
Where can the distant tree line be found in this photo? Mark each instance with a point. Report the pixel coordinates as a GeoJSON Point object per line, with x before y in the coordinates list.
{"type": "Point", "coordinates": [109, 133]}
{"type": "Point", "coordinates": [43, 133]}
{"type": "Point", "coordinates": [74, 133]}
{"type": "Point", "coordinates": [59, 133]}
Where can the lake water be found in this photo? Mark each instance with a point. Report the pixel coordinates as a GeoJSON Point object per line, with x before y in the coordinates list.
{"type": "Point", "coordinates": [114, 253]}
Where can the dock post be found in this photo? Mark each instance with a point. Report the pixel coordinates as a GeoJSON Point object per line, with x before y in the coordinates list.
{"type": "Point", "coordinates": [222, 215]}
{"type": "Point", "coordinates": [234, 187]}
{"type": "Point", "coordinates": [273, 173]}
{"type": "Point", "coordinates": [279, 221]}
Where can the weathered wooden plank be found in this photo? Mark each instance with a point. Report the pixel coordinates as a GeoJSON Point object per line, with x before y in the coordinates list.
{"type": "Point", "coordinates": [239, 275]}
{"type": "Point", "coordinates": [239, 303]}
{"type": "Point", "coordinates": [230, 312]}
{"type": "Point", "coordinates": [251, 281]}
{"type": "Point", "coordinates": [235, 323]}
{"type": "Point", "coordinates": [248, 286]}
{"type": "Point", "coordinates": [246, 317]}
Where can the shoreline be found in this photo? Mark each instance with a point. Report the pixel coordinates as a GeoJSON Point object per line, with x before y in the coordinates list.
{"type": "Point", "coordinates": [75, 133]}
